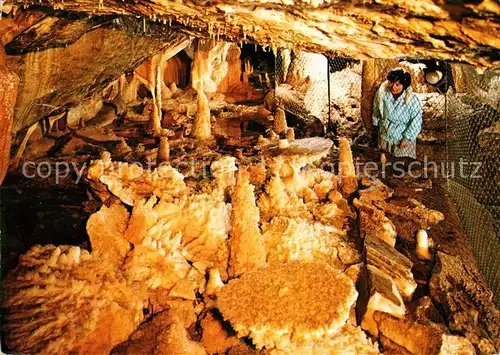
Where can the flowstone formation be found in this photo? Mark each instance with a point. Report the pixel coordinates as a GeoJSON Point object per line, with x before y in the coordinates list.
{"type": "Point", "coordinates": [262, 253]}
{"type": "Point", "coordinates": [289, 306]}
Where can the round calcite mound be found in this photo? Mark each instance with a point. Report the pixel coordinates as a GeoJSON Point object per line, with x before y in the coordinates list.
{"type": "Point", "coordinates": [287, 304]}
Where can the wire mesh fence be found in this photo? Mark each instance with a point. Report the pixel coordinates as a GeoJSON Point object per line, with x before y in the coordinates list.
{"type": "Point", "coordinates": [344, 110]}
{"type": "Point", "coordinates": [313, 87]}
{"type": "Point", "coordinates": [472, 148]}
{"type": "Point", "coordinates": [301, 84]}
{"type": "Point", "coordinates": [454, 123]}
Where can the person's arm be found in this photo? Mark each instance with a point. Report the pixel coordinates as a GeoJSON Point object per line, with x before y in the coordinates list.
{"type": "Point", "coordinates": [376, 114]}
{"type": "Point", "coordinates": [415, 124]}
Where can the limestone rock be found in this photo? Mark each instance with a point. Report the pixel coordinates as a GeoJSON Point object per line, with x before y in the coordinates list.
{"type": "Point", "coordinates": [467, 302]}
{"type": "Point", "coordinates": [63, 299]}
{"type": "Point", "coordinates": [373, 222]}
{"type": "Point", "coordinates": [162, 335]}
{"type": "Point", "coordinates": [419, 339]}
{"type": "Point", "coordinates": [106, 229]}
{"type": "Point", "coordinates": [382, 296]}
{"type": "Point", "coordinates": [215, 337]}
{"type": "Point", "coordinates": [387, 259]}
{"type": "Point", "coordinates": [416, 338]}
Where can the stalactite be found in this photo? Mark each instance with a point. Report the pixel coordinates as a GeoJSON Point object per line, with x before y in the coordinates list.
{"type": "Point", "coordinates": [152, 88]}
{"type": "Point", "coordinates": [157, 117]}
{"type": "Point", "coordinates": [156, 86]}
{"type": "Point", "coordinates": [51, 120]}
{"type": "Point", "coordinates": [203, 81]}
{"type": "Point", "coordinates": [248, 71]}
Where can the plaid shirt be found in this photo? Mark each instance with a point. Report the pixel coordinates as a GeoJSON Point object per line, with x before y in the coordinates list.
{"type": "Point", "coordinates": [398, 118]}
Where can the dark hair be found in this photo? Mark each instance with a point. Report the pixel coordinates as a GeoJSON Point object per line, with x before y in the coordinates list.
{"type": "Point", "coordinates": [400, 75]}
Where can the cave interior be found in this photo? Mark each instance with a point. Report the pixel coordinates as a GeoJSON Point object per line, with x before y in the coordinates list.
{"type": "Point", "coordinates": [202, 178]}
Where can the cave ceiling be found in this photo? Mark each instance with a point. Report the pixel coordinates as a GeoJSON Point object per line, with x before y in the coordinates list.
{"type": "Point", "coordinates": [458, 30]}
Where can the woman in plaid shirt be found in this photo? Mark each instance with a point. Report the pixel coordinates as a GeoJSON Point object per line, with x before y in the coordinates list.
{"type": "Point", "coordinates": [397, 113]}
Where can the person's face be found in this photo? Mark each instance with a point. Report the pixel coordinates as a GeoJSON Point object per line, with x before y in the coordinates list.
{"type": "Point", "coordinates": [396, 88]}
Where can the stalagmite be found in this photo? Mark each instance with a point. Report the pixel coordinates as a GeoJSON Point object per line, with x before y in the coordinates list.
{"type": "Point", "coordinates": [383, 158]}
{"type": "Point", "coordinates": [348, 180]}
{"type": "Point", "coordinates": [423, 245]}
{"type": "Point", "coordinates": [208, 70]}
{"type": "Point", "coordinates": [280, 124]}
{"type": "Point", "coordinates": [164, 149]}
{"type": "Point", "coordinates": [214, 281]}
{"type": "Point", "coordinates": [233, 78]}
{"type": "Point", "coordinates": [247, 72]}
{"type": "Point", "coordinates": [247, 251]}
{"type": "Point", "coordinates": [290, 134]}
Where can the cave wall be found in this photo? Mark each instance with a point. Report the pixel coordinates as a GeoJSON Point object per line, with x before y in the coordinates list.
{"type": "Point", "coordinates": [8, 90]}
{"type": "Point", "coordinates": [177, 70]}
{"type": "Point", "coordinates": [55, 75]}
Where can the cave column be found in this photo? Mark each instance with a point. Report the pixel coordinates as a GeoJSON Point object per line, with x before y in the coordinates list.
{"type": "Point", "coordinates": [202, 124]}
{"type": "Point", "coordinates": [8, 94]}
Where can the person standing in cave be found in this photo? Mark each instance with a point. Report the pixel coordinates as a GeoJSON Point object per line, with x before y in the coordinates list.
{"type": "Point", "coordinates": [397, 113]}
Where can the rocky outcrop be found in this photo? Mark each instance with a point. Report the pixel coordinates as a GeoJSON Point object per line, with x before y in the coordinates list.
{"type": "Point", "coordinates": [8, 90]}
{"type": "Point", "coordinates": [467, 301]}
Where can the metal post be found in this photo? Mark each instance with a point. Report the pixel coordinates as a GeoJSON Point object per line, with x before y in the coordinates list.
{"type": "Point", "coordinates": [329, 97]}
